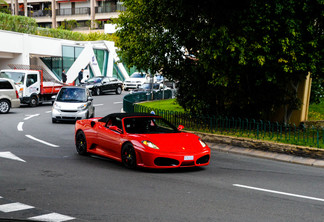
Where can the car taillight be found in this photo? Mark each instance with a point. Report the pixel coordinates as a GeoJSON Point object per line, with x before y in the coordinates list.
{"type": "Point", "coordinates": [17, 95]}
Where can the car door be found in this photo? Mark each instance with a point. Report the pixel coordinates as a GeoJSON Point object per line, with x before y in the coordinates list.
{"type": "Point", "coordinates": [109, 140]}
{"type": "Point", "coordinates": [105, 84]}
{"type": "Point", "coordinates": [114, 83]}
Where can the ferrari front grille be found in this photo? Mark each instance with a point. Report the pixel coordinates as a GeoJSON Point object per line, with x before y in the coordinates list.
{"type": "Point", "coordinates": [162, 161]}
{"type": "Point", "coordinates": [203, 160]}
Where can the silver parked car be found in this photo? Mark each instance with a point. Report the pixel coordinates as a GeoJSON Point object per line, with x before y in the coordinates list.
{"type": "Point", "coordinates": [9, 97]}
{"type": "Point", "coordinates": [73, 103]}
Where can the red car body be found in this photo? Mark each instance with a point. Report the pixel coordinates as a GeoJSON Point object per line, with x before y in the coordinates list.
{"type": "Point", "coordinates": [138, 139]}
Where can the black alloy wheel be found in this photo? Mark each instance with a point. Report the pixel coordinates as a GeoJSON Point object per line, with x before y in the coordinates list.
{"type": "Point", "coordinates": [81, 143]}
{"type": "Point", "coordinates": [128, 156]}
{"type": "Point", "coordinates": [118, 90]}
{"type": "Point", "coordinates": [4, 106]}
{"type": "Point", "coordinates": [33, 101]}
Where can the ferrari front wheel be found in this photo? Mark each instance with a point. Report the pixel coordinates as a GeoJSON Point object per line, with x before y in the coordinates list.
{"type": "Point", "coordinates": [81, 143]}
{"type": "Point", "coordinates": [128, 156]}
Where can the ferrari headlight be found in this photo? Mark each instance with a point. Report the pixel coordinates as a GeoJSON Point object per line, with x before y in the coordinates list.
{"type": "Point", "coordinates": [150, 144]}
{"type": "Point", "coordinates": [203, 144]}
{"type": "Point", "coordinates": [83, 107]}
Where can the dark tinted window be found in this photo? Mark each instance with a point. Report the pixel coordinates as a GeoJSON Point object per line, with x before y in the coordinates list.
{"type": "Point", "coordinates": [72, 95]}
{"type": "Point", "coordinates": [5, 85]}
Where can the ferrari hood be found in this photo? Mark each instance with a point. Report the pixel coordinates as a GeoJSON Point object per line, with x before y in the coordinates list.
{"type": "Point", "coordinates": [175, 142]}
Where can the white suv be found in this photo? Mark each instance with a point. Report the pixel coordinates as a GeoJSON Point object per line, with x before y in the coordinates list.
{"type": "Point", "coordinates": [9, 97]}
{"type": "Point", "coordinates": [135, 80]}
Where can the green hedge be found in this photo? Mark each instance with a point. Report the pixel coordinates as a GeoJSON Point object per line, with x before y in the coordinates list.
{"type": "Point", "coordinates": [28, 25]}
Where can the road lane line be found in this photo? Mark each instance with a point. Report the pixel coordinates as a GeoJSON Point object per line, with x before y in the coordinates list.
{"type": "Point", "coordinates": [48, 111]}
{"type": "Point", "coordinates": [53, 217]}
{"type": "Point", "coordinates": [12, 207]}
{"type": "Point", "coordinates": [118, 102]}
{"type": "Point", "coordinates": [41, 141]}
{"type": "Point", "coordinates": [31, 116]}
{"type": "Point", "coordinates": [9, 155]}
{"type": "Point", "coordinates": [97, 105]}
{"type": "Point", "coordinates": [278, 192]}
{"type": "Point", "coordinates": [20, 126]}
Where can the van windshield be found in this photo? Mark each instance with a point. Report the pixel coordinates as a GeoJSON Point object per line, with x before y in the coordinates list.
{"type": "Point", "coordinates": [72, 95]}
{"type": "Point", "coordinates": [17, 77]}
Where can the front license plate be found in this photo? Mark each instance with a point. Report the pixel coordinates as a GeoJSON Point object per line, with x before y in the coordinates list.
{"type": "Point", "coordinates": [188, 157]}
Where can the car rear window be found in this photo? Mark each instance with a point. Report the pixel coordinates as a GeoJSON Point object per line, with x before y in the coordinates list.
{"type": "Point", "coordinates": [5, 85]}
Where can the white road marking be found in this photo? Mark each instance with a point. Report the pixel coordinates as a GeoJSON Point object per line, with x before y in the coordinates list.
{"type": "Point", "coordinates": [20, 126]}
{"type": "Point", "coordinates": [41, 141]}
{"type": "Point", "coordinates": [118, 102]}
{"type": "Point", "coordinates": [48, 111]}
{"type": "Point", "coordinates": [31, 116]}
{"type": "Point", "coordinates": [278, 192]}
{"type": "Point", "coordinates": [14, 207]}
{"type": "Point", "coordinates": [9, 155]}
{"type": "Point", "coordinates": [97, 105]}
{"type": "Point", "coordinates": [52, 217]}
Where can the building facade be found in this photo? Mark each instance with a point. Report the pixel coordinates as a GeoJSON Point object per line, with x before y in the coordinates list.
{"type": "Point", "coordinates": [98, 58]}
{"type": "Point", "coordinates": [53, 13]}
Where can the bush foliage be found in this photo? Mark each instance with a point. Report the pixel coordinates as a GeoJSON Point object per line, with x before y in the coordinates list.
{"type": "Point", "coordinates": [28, 25]}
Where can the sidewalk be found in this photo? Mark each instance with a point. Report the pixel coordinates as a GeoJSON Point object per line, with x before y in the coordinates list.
{"type": "Point", "coordinates": [267, 155]}
{"type": "Point", "coordinates": [265, 149]}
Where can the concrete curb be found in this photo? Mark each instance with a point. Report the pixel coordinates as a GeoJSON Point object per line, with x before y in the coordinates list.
{"type": "Point", "coordinates": [264, 149]}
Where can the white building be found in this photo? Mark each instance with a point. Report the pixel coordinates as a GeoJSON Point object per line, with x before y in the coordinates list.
{"type": "Point", "coordinates": [54, 55]}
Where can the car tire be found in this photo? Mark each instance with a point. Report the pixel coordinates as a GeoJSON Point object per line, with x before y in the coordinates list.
{"type": "Point", "coordinates": [4, 106]}
{"type": "Point", "coordinates": [128, 156]}
{"type": "Point", "coordinates": [118, 90]}
{"type": "Point", "coordinates": [81, 143]}
{"type": "Point", "coordinates": [54, 120]}
{"type": "Point", "coordinates": [33, 101]}
{"type": "Point", "coordinates": [98, 91]}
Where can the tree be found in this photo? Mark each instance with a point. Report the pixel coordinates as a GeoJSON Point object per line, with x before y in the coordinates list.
{"type": "Point", "coordinates": [243, 59]}
{"type": "Point", "coordinates": [4, 7]}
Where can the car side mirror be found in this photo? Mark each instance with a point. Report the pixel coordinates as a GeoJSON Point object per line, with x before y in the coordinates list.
{"type": "Point", "coordinates": [90, 98]}
{"type": "Point", "coordinates": [180, 127]}
{"type": "Point", "coordinates": [115, 128]}
{"type": "Point", "coordinates": [93, 123]}
{"type": "Point", "coordinates": [53, 97]}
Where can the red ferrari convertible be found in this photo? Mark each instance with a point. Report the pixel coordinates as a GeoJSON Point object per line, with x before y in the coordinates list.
{"type": "Point", "coordinates": [138, 139]}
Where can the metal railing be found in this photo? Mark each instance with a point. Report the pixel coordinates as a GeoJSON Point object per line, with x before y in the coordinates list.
{"type": "Point", "coordinates": [251, 128]}
{"type": "Point", "coordinates": [75, 11]}
{"type": "Point", "coordinates": [132, 98]}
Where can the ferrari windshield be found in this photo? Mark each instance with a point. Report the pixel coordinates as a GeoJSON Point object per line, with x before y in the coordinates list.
{"type": "Point", "coordinates": [148, 125]}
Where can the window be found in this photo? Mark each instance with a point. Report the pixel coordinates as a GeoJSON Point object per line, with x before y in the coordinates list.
{"type": "Point", "coordinates": [31, 79]}
{"type": "Point", "coordinates": [5, 85]}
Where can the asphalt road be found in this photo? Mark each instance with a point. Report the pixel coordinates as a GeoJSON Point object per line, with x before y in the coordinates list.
{"type": "Point", "coordinates": [49, 181]}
